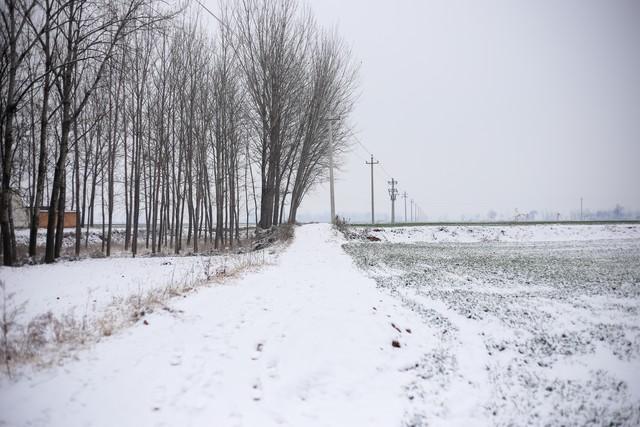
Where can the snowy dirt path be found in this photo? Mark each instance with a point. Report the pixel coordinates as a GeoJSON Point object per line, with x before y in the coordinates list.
{"type": "Point", "coordinates": [304, 342]}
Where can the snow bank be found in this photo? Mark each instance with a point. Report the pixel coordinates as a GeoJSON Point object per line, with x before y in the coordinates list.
{"type": "Point", "coordinates": [68, 240]}
{"type": "Point", "coordinates": [88, 286]}
{"type": "Point", "coordinates": [506, 233]}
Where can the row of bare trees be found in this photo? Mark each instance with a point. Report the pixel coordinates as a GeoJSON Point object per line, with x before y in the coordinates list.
{"type": "Point", "coordinates": [127, 112]}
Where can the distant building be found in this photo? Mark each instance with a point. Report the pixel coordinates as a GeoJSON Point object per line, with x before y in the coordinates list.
{"type": "Point", "coordinates": [43, 217]}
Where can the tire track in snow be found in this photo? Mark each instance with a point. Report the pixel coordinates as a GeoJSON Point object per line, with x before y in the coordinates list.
{"type": "Point", "coordinates": [468, 390]}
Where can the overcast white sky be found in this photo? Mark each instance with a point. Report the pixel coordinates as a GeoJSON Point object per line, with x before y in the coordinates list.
{"type": "Point", "coordinates": [477, 105]}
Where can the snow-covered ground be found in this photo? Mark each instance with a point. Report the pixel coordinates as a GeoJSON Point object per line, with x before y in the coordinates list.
{"type": "Point", "coordinates": [504, 233]}
{"type": "Point", "coordinates": [536, 325]}
{"type": "Point", "coordinates": [50, 311]}
{"type": "Point", "coordinates": [543, 329]}
{"type": "Point", "coordinates": [89, 286]}
{"type": "Point", "coordinates": [68, 241]}
{"type": "Point", "coordinates": [309, 341]}
{"type": "Point", "coordinates": [92, 243]}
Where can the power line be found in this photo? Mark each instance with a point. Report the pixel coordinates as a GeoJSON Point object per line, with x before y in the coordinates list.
{"type": "Point", "coordinates": [364, 147]}
{"type": "Point", "coordinates": [212, 14]}
{"type": "Point", "coordinates": [384, 170]}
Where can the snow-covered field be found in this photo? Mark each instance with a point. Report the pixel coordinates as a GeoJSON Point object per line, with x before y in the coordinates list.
{"type": "Point", "coordinates": [505, 233]}
{"type": "Point", "coordinates": [543, 329]}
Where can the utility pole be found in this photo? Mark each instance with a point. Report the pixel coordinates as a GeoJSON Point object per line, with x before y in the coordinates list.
{"type": "Point", "coordinates": [580, 208]}
{"type": "Point", "coordinates": [404, 195]}
{"type": "Point", "coordinates": [411, 210]}
{"type": "Point", "coordinates": [393, 193]}
{"type": "Point", "coordinates": [373, 216]}
{"type": "Point", "coordinates": [331, 189]}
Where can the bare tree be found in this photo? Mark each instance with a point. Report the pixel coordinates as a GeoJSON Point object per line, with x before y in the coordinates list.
{"type": "Point", "coordinates": [272, 42]}
{"type": "Point", "coordinates": [16, 83]}
{"type": "Point", "coordinates": [329, 96]}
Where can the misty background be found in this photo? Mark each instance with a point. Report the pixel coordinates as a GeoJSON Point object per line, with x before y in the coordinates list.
{"type": "Point", "coordinates": [492, 105]}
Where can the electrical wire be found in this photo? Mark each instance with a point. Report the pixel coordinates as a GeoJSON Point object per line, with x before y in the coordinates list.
{"type": "Point", "coordinates": [401, 190]}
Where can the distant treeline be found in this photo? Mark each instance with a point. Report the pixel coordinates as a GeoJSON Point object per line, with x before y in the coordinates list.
{"type": "Point", "coordinates": [616, 213]}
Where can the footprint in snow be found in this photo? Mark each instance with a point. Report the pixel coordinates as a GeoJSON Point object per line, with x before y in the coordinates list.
{"type": "Point", "coordinates": [256, 392]}
{"type": "Point", "coordinates": [198, 402]}
{"type": "Point", "coordinates": [272, 369]}
{"type": "Point", "coordinates": [176, 360]}
{"type": "Point", "coordinates": [256, 354]}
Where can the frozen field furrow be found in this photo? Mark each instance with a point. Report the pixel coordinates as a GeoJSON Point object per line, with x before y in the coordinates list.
{"type": "Point", "coordinates": [552, 327]}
